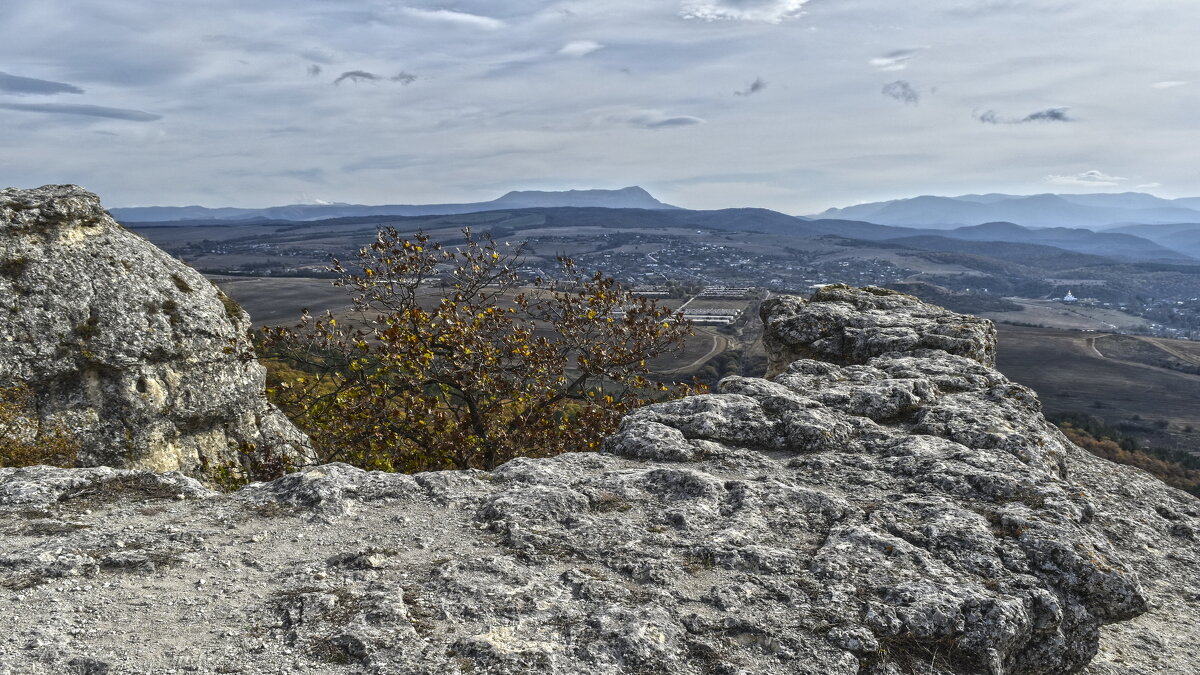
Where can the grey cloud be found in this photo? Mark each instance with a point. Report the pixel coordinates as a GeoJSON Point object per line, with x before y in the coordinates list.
{"type": "Point", "coordinates": [87, 110]}
{"type": "Point", "coordinates": [402, 77]}
{"type": "Point", "coordinates": [15, 84]}
{"type": "Point", "coordinates": [357, 76]}
{"type": "Point", "coordinates": [314, 70]}
{"type": "Point", "coordinates": [317, 56]}
{"type": "Point", "coordinates": [753, 88]}
{"type": "Point", "coordinates": [902, 91]}
{"type": "Point", "coordinates": [1047, 115]}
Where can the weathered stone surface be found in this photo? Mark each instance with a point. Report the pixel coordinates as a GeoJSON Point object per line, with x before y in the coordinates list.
{"type": "Point", "coordinates": [848, 326]}
{"type": "Point", "coordinates": [123, 343]}
{"type": "Point", "coordinates": [910, 513]}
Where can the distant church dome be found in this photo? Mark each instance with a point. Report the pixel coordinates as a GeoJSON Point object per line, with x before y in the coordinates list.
{"type": "Point", "coordinates": [1070, 298]}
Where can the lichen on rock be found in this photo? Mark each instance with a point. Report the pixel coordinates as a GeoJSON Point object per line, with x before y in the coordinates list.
{"type": "Point", "coordinates": [846, 325]}
{"type": "Point", "coordinates": [124, 345]}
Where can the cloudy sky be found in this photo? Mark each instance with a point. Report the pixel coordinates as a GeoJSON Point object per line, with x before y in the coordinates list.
{"type": "Point", "coordinates": [794, 105]}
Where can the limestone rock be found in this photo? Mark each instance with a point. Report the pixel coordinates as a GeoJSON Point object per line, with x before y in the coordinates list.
{"type": "Point", "coordinates": [124, 344]}
{"type": "Point", "coordinates": [848, 326]}
{"type": "Point", "coordinates": [899, 508]}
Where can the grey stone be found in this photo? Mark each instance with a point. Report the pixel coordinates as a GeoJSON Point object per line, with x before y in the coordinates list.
{"type": "Point", "coordinates": [846, 325]}
{"type": "Point", "coordinates": [136, 353]}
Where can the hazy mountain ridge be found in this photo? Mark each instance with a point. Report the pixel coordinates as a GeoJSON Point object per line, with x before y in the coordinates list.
{"type": "Point", "coordinates": [1092, 211]}
{"type": "Point", "coordinates": [1182, 237]}
{"type": "Point", "coordinates": [1131, 221]}
{"type": "Point", "coordinates": [1118, 246]}
{"type": "Point", "coordinates": [629, 197]}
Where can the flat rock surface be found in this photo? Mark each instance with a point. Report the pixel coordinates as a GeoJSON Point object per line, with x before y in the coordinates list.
{"type": "Point", "coordinates": [905, 511]}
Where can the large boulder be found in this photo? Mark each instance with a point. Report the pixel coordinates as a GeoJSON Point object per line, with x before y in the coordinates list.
{"type": "Point", "coordinates": [849, 326]}
{"type": "Point", "coordinates": [139, 355]}
{"type": "Point", "coordinates": [913, 513]}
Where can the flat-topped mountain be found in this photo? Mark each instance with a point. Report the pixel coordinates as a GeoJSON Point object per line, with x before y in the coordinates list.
{"type": "Point", "coordinates": [625, 198]}
{"type": "Point", "coordinates": [628, 198]}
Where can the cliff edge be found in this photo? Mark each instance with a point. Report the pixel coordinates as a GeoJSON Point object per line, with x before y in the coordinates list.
{"type": "Point", "coordinates": [885, 503]}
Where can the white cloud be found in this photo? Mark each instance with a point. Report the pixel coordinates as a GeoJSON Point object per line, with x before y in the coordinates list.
{"type": "Point", "coordinates": [455, 17]}
{"type": "Point", "coordinates": [580, 48]}
{"type": "Point", "coordinates": [1091, 178]}
{"type": "Point", "coordinates": [1169, 84]}
{"type": "Point", "coordinates": [897, 60]}
{"type": "Point", "coordinates": [1148, 186]}
{"type": "Point", "coordinates": [769, 11]}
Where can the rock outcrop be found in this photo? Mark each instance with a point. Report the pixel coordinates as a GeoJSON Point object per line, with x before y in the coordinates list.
{"type": "Point", "coordinates": [123, 344]}
{"type": "Point", "coordinates": [900, 509]}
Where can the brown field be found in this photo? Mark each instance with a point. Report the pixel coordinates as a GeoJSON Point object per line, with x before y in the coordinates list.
{"type": "Point", "coordinates": [702, 347]}
{"type": "Point", "coordinates": [1072, 376]}
{"type": "Point", "coordinates": [278, 300]}
{"type": "Point", "coordinates": [1155, 352]}
{"type": "Point", "coordinates": [1053, 314]}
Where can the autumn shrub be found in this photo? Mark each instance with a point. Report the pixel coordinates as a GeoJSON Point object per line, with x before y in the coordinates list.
{"type": "Point", "coordinates": [447, 362]}
{"type": "Point", "coordinates": [1169, 470]}
{"type": "Point", "coordinates": [25, 440]}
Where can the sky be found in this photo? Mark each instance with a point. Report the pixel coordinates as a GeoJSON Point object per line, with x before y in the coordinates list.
{"type": "Point", "coordinates": [792, 105]}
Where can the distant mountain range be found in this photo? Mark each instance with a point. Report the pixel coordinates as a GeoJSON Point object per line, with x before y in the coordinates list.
{"type": "Point", "coordinates": [1092, 211]}
{"type": "Point", "coordinates": [1125, 227]}
{"type": "Point", "coordinates": [627, 198]}
{"type": "Point", "coordinates": [1117, 245]}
